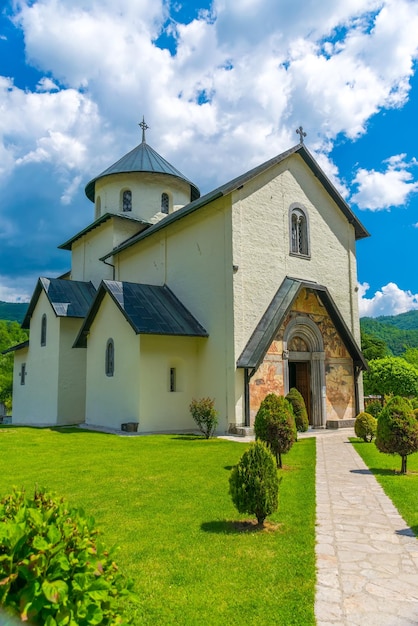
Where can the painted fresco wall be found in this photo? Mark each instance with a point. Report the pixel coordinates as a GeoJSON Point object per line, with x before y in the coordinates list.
{"type": "Point", "coordinates": [339, 376]}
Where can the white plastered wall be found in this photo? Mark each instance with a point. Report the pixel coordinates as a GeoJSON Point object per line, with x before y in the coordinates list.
{"type": "Point", "coordinates": [72, 374]}
{"type": "Point", "coordinates": [194, 258]}
{"type": "Point", "coordinates": [86, 251]}
{"type": "Point", "coordinates": [146, 191]}
{"type": "Point", "coordinates": [112, 400]}
{"type": "Point", "coordinates": [161, 409]}
{"type": "Point", "coordinates": [36, 401]}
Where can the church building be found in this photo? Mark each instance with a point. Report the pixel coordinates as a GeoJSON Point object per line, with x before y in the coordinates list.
{"type": "Point", "coordinates": [246, 290]}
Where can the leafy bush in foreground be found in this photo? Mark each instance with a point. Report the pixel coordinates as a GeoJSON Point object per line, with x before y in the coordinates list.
{"type": "Point", "coordinates": [53, 570]}
{"type": "Point", "coordinates": [299, 409]}
{"type": "Point", "coordinates": [204, 414]}
{"type": "Point", "coordinates": [254, 484]}
{"type": "Point", "coordinates": [397, 429]}
{"type": "Point", "coordinates": [365, 426]}
{"type": "Point", "coordinates": [275, 425]}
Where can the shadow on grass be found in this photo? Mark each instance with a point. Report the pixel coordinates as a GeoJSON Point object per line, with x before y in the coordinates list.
{"type": "Point", "coordinates": [377, 471]}
{"type": "Point", "coordinates": [408, 532]}
{"type": "Point", "coordinates": [230, 527]}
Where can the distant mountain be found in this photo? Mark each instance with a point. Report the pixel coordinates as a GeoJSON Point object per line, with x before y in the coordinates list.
{"type": "Point", "coordinates": [13, 311]}
{"type": "Point", "coordinates": [397, 331]}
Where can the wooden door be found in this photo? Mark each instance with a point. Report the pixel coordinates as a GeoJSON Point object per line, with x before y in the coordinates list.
{"type": "Point", "coordinates": [300, 379]}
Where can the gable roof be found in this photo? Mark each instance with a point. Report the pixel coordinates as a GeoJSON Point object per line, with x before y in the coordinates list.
{"type": "Point", "coordinates": [149, 309]}
{"type": "Point", "coordinates": [143, 158]}
{"type": "Point", "coordinates": [18, 346]}
{"type": "Point", "coordinates": [68, 298]}
{"type": "Point", "coordinates": [67, 245]}
{"type": "Point", "coordinates": [236, 183]}
{"type": "Point", "coordinates": [262, 337]}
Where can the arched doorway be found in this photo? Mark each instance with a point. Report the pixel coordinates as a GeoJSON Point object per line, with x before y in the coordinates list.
{"type": "Point", "coordinates": [304, 366]}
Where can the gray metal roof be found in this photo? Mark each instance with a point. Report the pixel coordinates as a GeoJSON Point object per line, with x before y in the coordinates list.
{"type": "Point", "coordinates": [149, 309]}
{"type": "Point", "coordinates": [224, 190]}
{"type": "Point", "coordinates": [143, 158]}
{"type": "Point", "coordinates": [67, 245]}
{"type": "Point", "coordinates": [263, 335]}
{"type": "Point", "coordinates": [19, 346]}
{"type": "Point", "coordinates": [68, 298]}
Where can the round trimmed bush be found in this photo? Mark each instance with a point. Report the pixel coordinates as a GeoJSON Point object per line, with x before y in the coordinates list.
{"type": "Point", "coordinates": [397, 430]}
{"type": "Point", "coordinates": [254, 484]}
{"type": "Point", "coordinates": [275, 425]}
{"type": "Point", "coordinates": [365, 426]}
{"type": "Point", "coordinates": [299, 409]}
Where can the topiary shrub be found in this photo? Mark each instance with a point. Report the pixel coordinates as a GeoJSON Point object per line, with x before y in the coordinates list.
{"type": "Point", "coordinates": [275, 425]}
{"type": "Point", "coordinates": [299, 409]}
{"type": "Point", "coordinates": [204, 414]}
{"type": "Point", "coordinates": [53, 569]}
{"type": "Point", "coordinates": [365, 426]}
{"type": "Point", "coordinates": [397, 430]}
{"type": "Point", "coordinates": [254, 484]}
{"type": "Point", "coordinates": [374, 408]}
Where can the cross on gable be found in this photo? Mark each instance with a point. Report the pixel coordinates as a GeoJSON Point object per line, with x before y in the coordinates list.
{"type": "Point", "coordinates": [301, 132]}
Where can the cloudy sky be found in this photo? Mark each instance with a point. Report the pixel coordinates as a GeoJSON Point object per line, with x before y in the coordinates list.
{"type": "Point", "coordinates": [223, 85]}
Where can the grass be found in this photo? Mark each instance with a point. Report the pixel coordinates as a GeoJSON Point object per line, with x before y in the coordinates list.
{"type": "Point", "coordinates": [164, 500]}
{"type": "Point", "coordinates": [401, 489]}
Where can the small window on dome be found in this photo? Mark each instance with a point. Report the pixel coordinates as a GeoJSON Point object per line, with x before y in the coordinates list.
{"type": "Point", "coordinates": [165, 203]}
{"type": "Point", "coordinates": [127, 201]}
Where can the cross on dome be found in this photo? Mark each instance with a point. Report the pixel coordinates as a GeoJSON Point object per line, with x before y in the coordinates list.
{"type": "Point", "coordinates": [144, 127]}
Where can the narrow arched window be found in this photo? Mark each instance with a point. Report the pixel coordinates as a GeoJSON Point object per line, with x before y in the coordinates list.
{"type": "Point", "coordinates": [165, 203]}
{"type": "Point", "coordinates": [110, 358]}
{"type": "Point", "coordinates": [127, 200]}
{"type": "Point", "coordinates": [299, 236]}
{"type": "Point", "coordinates": [98, 207]}
{"type": "Point", "coordinates": [43, 330]}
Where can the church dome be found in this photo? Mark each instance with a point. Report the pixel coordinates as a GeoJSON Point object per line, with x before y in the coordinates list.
{"type": "Point", "coordinates": [143, 158]}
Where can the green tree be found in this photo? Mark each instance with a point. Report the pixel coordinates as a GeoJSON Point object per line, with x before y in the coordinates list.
{"type": "Point", "coordinates": [397, 429]}
{"type": "Point", "coordinates": [391, 375]}
{"type": "Point", "coordinates": [275, 425]}
{"type": "Point", "coordinates": [365, 426]}
{"type": "Point", "coordinates": [373, 347]}
{"type": "Point", "coordinates": [411, 356]}
{"type": "Point", "coordinates": [254, 484]}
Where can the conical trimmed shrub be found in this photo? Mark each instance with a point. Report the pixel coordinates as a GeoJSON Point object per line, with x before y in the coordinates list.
{"type": "Point", "coordinates": [299, 409]}
{"type": "Point", "coordinates": [365, 426]}
{"type": "Point", "coordinates": [397, 430]}
{"type": "Point", "coordinates": [254, 484]}
{"type": "Point", "coordinates": [275, 425]}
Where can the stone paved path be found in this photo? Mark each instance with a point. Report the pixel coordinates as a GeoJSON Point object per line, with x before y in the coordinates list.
{"type": "Point", "coordinates": [367, 557]}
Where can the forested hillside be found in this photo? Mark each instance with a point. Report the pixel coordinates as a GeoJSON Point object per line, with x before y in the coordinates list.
{"type": "Point", "coordinates": [399, 332]}
{"type": "Point", "coordinates": [13, 311]}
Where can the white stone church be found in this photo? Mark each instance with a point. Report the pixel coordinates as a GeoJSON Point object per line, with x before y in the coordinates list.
{"type": "Point", "coordinates": [247, 290]}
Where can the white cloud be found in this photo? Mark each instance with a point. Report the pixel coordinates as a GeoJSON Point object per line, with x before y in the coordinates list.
{"type": "Point", "coordinates": [390, 300]}
{"type": "Point", "coordinates": [12, 293]}
{"type": "Point", "coordinates": [382, 190]}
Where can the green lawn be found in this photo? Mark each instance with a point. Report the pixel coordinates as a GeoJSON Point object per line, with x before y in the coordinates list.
{"type": "Point", "coordinates": [401, 489]}
{"type": "Point", "coordinates": [164, 500]}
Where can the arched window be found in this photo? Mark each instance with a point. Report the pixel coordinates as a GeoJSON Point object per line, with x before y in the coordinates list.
{"type": "Point", "coordinates": [127, 200]}
{"type": "Point", "coordinates": [110, 358]}
{"type": "Point", "coordinates": [43, 330]}
{"type": "Point", "coordinates": [299, 235]}
{"type": "Point", "coordinates": [165, 203]}
{"type": "Point", "coordinates": [98, 207]}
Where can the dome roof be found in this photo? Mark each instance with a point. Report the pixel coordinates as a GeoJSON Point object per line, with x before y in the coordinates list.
{"type": "Point", "coordinates": [143, 158]}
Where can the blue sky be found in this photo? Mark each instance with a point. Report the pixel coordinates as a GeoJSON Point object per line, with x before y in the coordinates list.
{"type": "Point", "coordinates": [223, 85]}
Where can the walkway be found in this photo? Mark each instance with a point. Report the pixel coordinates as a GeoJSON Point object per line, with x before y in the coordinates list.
{"type": "Point", "coordinates": [367, 557]}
